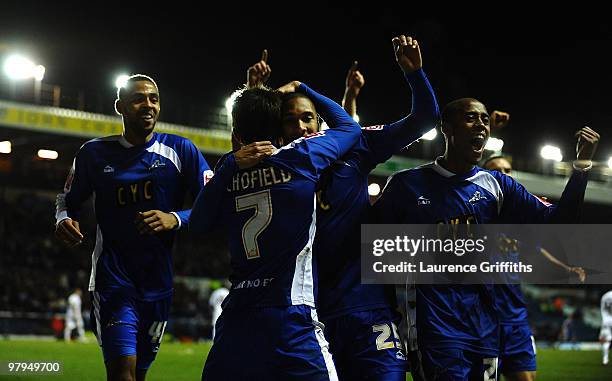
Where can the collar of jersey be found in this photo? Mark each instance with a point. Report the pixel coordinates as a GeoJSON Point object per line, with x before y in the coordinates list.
{"type": "Point", "coordinates": [448, 174]}
{"type": "Point", "coordinates": [125, 144]}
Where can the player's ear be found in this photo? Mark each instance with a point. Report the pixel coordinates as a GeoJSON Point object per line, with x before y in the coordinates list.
{"type": "Point", "coordinates": [236, 140]}
{"type": "Point", "coordinates": [118, 106]}
{"type": "Point", "coordinates": [445, 128]}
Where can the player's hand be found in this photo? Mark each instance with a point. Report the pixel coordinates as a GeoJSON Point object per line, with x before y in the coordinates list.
{"type": "Point", "coordinates": [69, 232]}
{"type": "Point", "coordinates": [252, 154]}
{"type": "Point", "coordinates": [407, 53]}
{"type": "Point", "coordinates": [499, 119]}
{"type": "Point", "coordinates": [259, 73]}
{"type": "Point", "coordinates": [354, 81]}
{"type": "Point", "coordinates": [155, 221]}
{"type": "Point", "coordinates": [587, 143]}
{"type": "Point", "coordinates": [580, 272]}
{"type": "Point", "coordinates": [291, 87]}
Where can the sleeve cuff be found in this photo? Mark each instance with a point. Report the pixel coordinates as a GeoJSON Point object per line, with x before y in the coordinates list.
{"type": "Point", "coordinates": [61, 216]}
{"type": "Point", "coordinates": [178, 219]}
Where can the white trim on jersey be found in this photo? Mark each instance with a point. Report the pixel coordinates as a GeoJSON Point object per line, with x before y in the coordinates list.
{"type": "Point", "coordinates": [302, 288]}
{"type": "Point", "coordinates": [487, 181]}
{"type": "Point", "coordinates": [94, 258]}
{"type": "Point", "coordinates": [96, 306]}
{"type": "Point", "coordinates": [167, 152]}
{"type": "Point", "coordinates": [329, 362]}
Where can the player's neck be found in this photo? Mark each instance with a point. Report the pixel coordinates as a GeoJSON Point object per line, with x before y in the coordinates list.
{"type": "Point", "coordinates": [136, 139]}
{"type": "Point", "coordinates": [453, 163]}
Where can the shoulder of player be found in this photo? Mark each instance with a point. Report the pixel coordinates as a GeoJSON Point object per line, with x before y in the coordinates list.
{"type": "Point", "coordinates": [101, 141]}
{"type": "Point", "coordinates": [410, 173]}
{"type": "Point", "coordinates": [405, 176]}
{"type": "Point", "coordinates": [97, 144]}
{"type": "Point", "coordinates": [173, 140]}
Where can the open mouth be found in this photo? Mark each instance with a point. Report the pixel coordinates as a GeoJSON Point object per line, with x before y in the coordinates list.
{"type": "Point", "coordinates": [478, 143]}
{"type": "Point", "coordinates": [147, 117]}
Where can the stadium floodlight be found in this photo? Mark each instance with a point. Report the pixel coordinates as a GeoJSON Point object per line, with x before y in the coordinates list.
{"type": "Point", "coordinates": [610, 162]}
{"type": "Point", "coordinates": [18, 67]}
{"type": "Point", "coordinates": [550, 152]}
{"type": "Point", "coordinates": [121, 80]}
{"type": "Point", "coordinates": [47, 154]}
{"type": "Point", "coordinates": [430, 135]}
{"type": "Point", "coordinates": [38, 72]}
{"type": "Point", "coordinates": [5, 146]}
{"type": "Point", "coordinates": [356, 118]}
{"type": "Point", "coordinates": [373, 189]}
{"type": "Point", "coordinates": [494, 144]}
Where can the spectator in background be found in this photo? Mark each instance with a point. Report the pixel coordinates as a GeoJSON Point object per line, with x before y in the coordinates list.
{"type": "Point", "coordinates": [570, 327]}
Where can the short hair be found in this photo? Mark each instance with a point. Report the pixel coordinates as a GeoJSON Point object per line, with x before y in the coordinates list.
{"type": "Point", "coordinates": [256, 114]}
{"type": "Point", "coordinates": [454, 107]}
{"type": "Point", "coordinates": [134, 78]}
{"type": "Point", "coordinates": [286, 97]}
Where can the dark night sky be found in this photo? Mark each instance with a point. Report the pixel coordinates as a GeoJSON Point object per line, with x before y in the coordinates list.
{"type": "Point", "coordinates": [551, 73]}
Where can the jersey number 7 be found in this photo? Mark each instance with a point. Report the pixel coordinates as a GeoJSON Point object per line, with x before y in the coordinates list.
{"type": "Point", "coordinates": [262, 203]}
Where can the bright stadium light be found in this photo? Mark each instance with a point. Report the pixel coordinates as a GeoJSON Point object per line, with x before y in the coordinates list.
{"type": "Point", "coordinates": [47, 154]}
{"type": "Point", "coordinates": [229, 102]}
{"type": "Point", "coordinates": [549, 152]}
{"type": "Point", "coordinates": [18, 67]}
{"type": "Point", "coordinates": [356, 118]}
{"type": "Point", "coordinates": [5, 147]}
{"type": "Point", "coordinates": [610, 162]}
{"type": "Point", "coordinates": [494, 144]}
{"type": "Point", "coordinates": [373, 189]}
{"type": "Point", "coordinates": [121, 81]}
{"type": "Point", "coordinates": [38, 72]}
{"type": "Point", "coordinates": [430, 135]}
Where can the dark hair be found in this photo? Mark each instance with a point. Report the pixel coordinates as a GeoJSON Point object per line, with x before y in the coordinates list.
{"type": "Point", "coordinates": [256, 114]}
{"type": "Point", "coordinates": [289, 96]}
{"type": "Point", "coordinates": [134, 78]}
{"type": "Point", "coordinates": [454, 107]}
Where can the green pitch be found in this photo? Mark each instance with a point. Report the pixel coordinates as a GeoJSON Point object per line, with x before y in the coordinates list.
{"type": "Point", "coordinates": [184, 362]}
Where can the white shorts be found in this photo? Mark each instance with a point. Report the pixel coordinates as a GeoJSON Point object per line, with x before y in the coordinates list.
{"type": "Point", "coordinates": [74, 323]}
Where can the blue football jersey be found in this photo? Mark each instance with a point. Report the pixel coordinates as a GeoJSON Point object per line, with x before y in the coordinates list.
{"type": "Point", "coordinates": [465, 316]}
{"type": "Point", "coordinates": [268, 212]}
{"type": "Point", "coordinates": [343, 201]}
{"type": "Point", "coordinates": [124, 180]}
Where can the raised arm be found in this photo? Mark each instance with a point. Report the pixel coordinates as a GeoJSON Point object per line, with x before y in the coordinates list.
{"type": "Point", "coordinates": [260, 72]}
{"type": "Point", "coordinates": [311, 154]}
{"type": "Point", "coordinates": [521, 206]}
{"type": "Point", "coordinates": [353, 84]}
{"type": "Point", "coordinates": [387, 140]}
